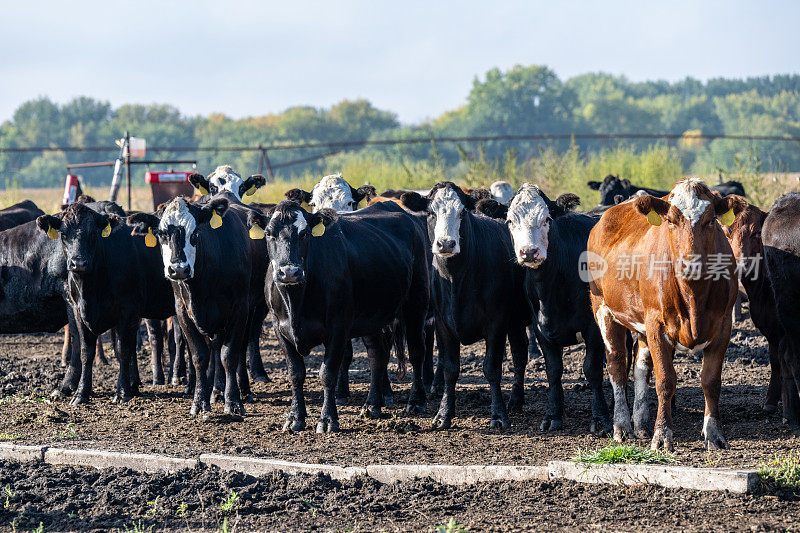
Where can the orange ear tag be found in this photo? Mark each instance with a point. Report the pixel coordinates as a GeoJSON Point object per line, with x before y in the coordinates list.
{"type": "Point", "coordinates": [150, 240]}
{"type": "Point", "coordinates": [654, 218]}
{"type": "Point", "coordinates": [52, 233]}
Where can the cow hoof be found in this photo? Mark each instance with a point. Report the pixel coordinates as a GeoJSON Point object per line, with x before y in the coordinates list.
{"type": "Point", "coordinates": [371, 411]}
{"type": "Point", "coordinates": [263, 378]}
{"type": "Point", "coordinates": [216, 396]}
{"type": "Point", "coordinates": [79, 399]}
{"type": "Point", "coordinates": [58, 393]}
{"type": "Point", "coordinates": [641, 433]}
{"type": "Point", "coordinates": [342, 400]}
{"type": "Point", "coordinates": [769, 408]}
{"type": "Point", "coordinates": [499, 423]}
{"type": "Point", "coordinates": [621, 433]}
{"type": "Point", "coordinates": [662, 439]}
{"type": "Point", "coordinates": [442, 421]}
{"type": "Point", "coordinates": [415, 409]}
{"type": "Point", "coordinates": [121, 399]}
{"type": "Point", "coordinates": [388, 399]}
{"type": "Point", "coordinates": [294, 424]}
{"type": "Point", "coordinates": [551, 424]}
{"type": "Point", "coordinates": [248, 398]}
{"type": "Point", "coordinates": [600, 427]}
{"type": "Point", "coordinates": [327, 425]}
{"type": "Point", "coordinates": [233, 408]}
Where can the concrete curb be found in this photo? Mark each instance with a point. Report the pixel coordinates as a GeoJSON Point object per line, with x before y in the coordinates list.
{"type": "Point", "coordinates": [22, 454]}
{"type": "Point", "coordinates": [715, 479]}
{"type": "Point", "coordinates": [142, 462]}
{"type": "Point", "coordinates": [256, 467]}
{"type": "Point", "coordinates": [684, 477]}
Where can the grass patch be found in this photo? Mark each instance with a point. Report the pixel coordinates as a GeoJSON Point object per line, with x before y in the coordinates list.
{"type": "Point", "coordinates": [782, 473]}
{"type": "Point", "coordinates": [623, 453]}
{"type": "Point", "coordinates": [9, 436]}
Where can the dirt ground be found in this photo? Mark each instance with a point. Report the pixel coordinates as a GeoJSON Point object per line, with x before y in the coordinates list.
{"type": "Point", "coordinates": [159, 421]}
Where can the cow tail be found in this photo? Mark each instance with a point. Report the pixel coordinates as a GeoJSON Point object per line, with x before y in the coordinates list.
{"type": "Point", "coordinates": [399, 343]}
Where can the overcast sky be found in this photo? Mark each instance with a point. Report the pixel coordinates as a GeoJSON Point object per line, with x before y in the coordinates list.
{"type": "Point", "coordinates": [417, 58]}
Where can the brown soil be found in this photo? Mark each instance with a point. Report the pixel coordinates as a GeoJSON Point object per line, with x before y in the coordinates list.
{"type": "Point", "coordinates": [159, 421]}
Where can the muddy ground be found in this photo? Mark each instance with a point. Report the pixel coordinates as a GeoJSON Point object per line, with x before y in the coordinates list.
{"type": "Point", "coordinates": [159, 421]}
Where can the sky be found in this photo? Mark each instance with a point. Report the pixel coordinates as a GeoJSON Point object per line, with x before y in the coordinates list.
{"type": "Point", "coordinates": [416, 58]}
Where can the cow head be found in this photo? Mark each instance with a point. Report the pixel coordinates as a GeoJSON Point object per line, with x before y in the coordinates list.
{"type": "Point", "coordinates": [333, 192]}
{"type": "Point", "coordinates": [289, 229]}
{"type": "Point", "coordinates": [225, 179]}
{"type": "Point", "coordinates": [744, 233]}
{"type": "Point", "coordinates": [80, 229]}
{"type": "Point", "coordinates": [176, 227]}
{"type": "Point", "coordinates": [610, 188]}
{"type": "Point", "coordinates": [690, 212]}
{"type": "Point", "coordinates": [502, 191]}
{"type": "Point", "coordinates": [528, 218]}
{"type": "Point", "coordinates": [446, 205]}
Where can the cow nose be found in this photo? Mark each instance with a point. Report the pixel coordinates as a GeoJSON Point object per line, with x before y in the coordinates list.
{"type": "Point", "coordinates": [290, 274]}
{"type": "Point", "coordinates": [77, 264]}
{"type": "Point", "coordinates": [446, 245]}
{"type": "Point", "coordinates": [529, 254]}
{"type": "Point", "coordinates": [178, 271]}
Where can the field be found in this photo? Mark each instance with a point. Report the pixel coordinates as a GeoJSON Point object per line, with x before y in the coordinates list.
{"type": "Point", "coordinates": [158, 421]}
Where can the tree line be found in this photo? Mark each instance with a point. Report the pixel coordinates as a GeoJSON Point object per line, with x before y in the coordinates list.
{"type": "Point", "coordinates": [521, 100]}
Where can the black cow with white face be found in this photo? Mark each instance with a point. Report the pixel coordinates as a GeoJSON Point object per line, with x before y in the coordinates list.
{"type": "Point", "coordinates": [333, 192]}
{"type": "Point", "coordinates": [112, 282]}
{"type": "Point", "coordinates": [333, 277]}
{"type": "Point", "coordinates": [225, 179]}
{"type": "Point", "coordinates": [478, 294]}
{"type": "Point", "coordinates": [548, 241]}
{"type": "Point", "coordinates": [216, 272]}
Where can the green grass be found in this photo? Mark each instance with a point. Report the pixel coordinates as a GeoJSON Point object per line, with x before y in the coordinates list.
{"type": "Point", "coordinates": [623, 453]}
{"type": "Point", "coordinates": [9, 436]}
{"type": "Point", "coordinates": [229, 504]}
{"type": "Point", "coordinates": [783, 473]}
{"type": "Point", "coordinates": [450, 527]}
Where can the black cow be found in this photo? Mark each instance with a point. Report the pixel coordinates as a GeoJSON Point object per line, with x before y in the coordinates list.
{"type": "Point", "coordinates": [781, 238]}
{"type": "Point", "coordinates": [614, 190]}
{"type": "Point", "coordinates": [333, 277]}
{"type": "Point", "coordinates": [478, 294]}
{"type": "Point", "coordinates": [216, 274]}
{"type": "Point", "coordinates": [729, 187]}
{"type": "Point", "coordinates": [113, 281]}
{"type": "Point", "coordinates": [17, 214]}
{"type": "Point", "coordinates": [549, 240]}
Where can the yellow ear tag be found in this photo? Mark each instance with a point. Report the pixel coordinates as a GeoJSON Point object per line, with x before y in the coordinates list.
{"type": "Point", "coordinates": [251, 191]}
{"type": "Point", "coordinates": [52, 233]}
{"type": "Point", "coordinates": [202, 190]}
{"type": "Point", "coordinates": [362, 204]}
{"type": "Point", "coordinates": [305, 206]}
{"type": "Point", "coordinates": [106, 231]}
{"type": "Point", "coordinates": [150, 240]}
{"type": "Point", "coordinates": [654, 218]}
{"type": "Point", "coordinates": [318, 230]}
{"type": "Point", "coordinates": [256, 232]}
{"type": "Point", "coordinates": [216, 221]}
{"type": "Point", "coordinates": [727, 218]}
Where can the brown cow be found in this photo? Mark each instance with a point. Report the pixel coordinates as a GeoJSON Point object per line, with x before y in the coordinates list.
{"type": "Point", "coordinates": [675, 298]}
{"type": "Point", "coordinates": [744, 236]}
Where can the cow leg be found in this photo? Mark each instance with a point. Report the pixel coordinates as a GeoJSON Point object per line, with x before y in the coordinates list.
{"type": "Point", "coordinates": [711, 381]}
{"type": "Point", "coordinates": [126, 354]}
{"type": "Point", "coordinates": [593, 364]}
{"type": "Point", "coordinates": [99, 354]}
{"type": "Point", "coordinates": [533, 346]}
{"type": "Point", "coordinates": [427, 365]}
{"type": "Point", "coordinates": [519, 343]}
{"type": "Point", "coordinates": [791, 405]}
{"type": "Point", "coordinates": [378, 357]}
{"type": "Point", "coordinates": [450, 363]}
{"type": "Point", "coordinates": [774, 388]}
{"type": "Point", "coordinates": [492, 371]}
{"type": "Point", "coordinates": [65, 349]}
{"type": "Point", "coordinates": [417, 330]}
{"type": "Point", "coordinates": [343, 381]}
{"type": "Point", "coordinates": [614, 335]}
{"type": "Point", "coordinates": [231, 352]}
{"type": "Point", "coordinates": [666, 381]}
{"type": "Point", "coordinates": [155, 337]}
{"type": "Point", "coordinates": [554, 368]}
{"type": "Point", "coordinates": [216, 373]}
{"type": "Point", "coordinates": [329, 373]}
{"type": "Point", "coordinates": [200, 351]}
{"type": "Point", "coordinates": [257, 371]}
{"type": "Point", "coordinates": [83, 391]}
{"type": "Point", "coordinates": [641, 377]}
{"type": "Point", "coordinates": [437, 386]}
{"type": "Point", "coordinates": [296, 417]}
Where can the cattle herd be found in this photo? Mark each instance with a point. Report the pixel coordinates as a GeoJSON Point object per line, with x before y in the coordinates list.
{"type": "Point", "coordinates": [644, 274]}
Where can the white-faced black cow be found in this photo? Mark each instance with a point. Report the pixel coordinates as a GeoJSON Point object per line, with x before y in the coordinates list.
{"type": "Point", "coordinates": [225, 179]}
{"type": "Point", "coordinates": [333, 192]}
{"type": "Point", "coordinates": [334, 277]}
{"type": "Point", "coordinates": [549, 240]}
{"type": "Point", "coordinates": [478, 294]}
{"type": "Point", "coordinates": [112, 282]}
{"type": "Point", "coordinates": [216, 273]}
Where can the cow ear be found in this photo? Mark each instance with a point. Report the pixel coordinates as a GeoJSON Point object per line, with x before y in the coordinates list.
{"type": "Point", "coordinates": [414, 201]}
{"type": "Point", "coordinates": [49, 224]}
{"type": "Point", "coordinates": [200, 183]}
{"type": "Point", "coordinates": [143, 223]}
{"type": "Point", "coordinates": [492, 208]}
{"type": "Point", "coordinates": [300, 196]}
{"type": "Point", "coordinates": [568, 201]}
{"type": "Point", "coordinates": [256, 222]}
{"type": "Point", "coordinates": [251, 184]}
{"type": "Point", "coordinates": [728, 208]}
{"type": "Point", "coordinates": [363, 195]}
{"type": "Point", "coordinates": [594, 185]}
{"type": "Point", "coordinates": [480, 193]}
{"type": "Point", "coordinates": [320, 221]}
{"type": "Point", "coordinates": [653, 208]}
{"type": "Point", "coordinates": [213, 212]}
